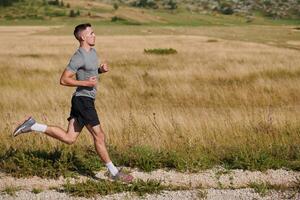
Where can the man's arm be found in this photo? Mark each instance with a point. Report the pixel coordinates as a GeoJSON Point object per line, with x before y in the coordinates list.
{"type": "Point", "coordinates": [67, 79]}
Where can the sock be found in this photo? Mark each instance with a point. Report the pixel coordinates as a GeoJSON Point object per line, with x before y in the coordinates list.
{"type": "Point", "coordinates": [111, 168]}
{"type": "Point", "coordinates": [39, 127]}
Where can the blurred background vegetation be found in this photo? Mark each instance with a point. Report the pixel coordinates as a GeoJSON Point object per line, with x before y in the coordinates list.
{"type": "Point", "coordinates": [162, 10]}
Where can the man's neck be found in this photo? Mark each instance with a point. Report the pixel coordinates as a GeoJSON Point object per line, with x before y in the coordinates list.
{"type": "Point", "coordinates": [86, 47]}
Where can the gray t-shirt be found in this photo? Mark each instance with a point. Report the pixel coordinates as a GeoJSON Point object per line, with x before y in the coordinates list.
{"type": "Point", "coordinates": [85, 65]}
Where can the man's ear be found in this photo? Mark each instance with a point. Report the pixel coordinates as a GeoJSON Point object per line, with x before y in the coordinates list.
{"type": "Point", "coordinates": [82, 37]}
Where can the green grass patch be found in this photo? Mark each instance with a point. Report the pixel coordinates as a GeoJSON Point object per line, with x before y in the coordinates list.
{"type": "Point", "coordinates": [11, 190]}
{"type": "Point", "coordinates": [160, 51]}
{"type": "Point", "coordinates": [92, 188]}
{"type": "Point", "coordinates": [263, 188]}
{"type": "Point", "coordinates": [73, 162]}
{"type": "Point", "coordinates": [148, 159]}
{"type": "Point", "coordinates": [194, 159]}
{"type": "Point", "coordinates": [261, 159]}
{"type": "Point", "coordinates": [36, 190]}
{"type": "Point", "coordinates": [202, 194]}
{"type": "Point", "coordinates": [51, 164]}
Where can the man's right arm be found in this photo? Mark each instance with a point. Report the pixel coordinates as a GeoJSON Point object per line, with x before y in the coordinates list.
{"type": "Point", "coordinates": [67, 79]}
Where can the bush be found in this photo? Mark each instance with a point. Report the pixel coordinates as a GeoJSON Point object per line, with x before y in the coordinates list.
{"type": "Point", "coordinates": [170, 4]}
{"type": "Point", "coordinates": [116, 6]}
{"type": "Point", "coordinates": [5, 3]}
{"type": "Point", "coordinates": [116, 18]}
{"type": "Point", "coordinates": [160, 51]}
{"type": "Point", "coordinates": [226, 9]}
{"type": "Point", "coordinates": [73, 13]}
{"type": "Point", "coordinates": [54, 3]}
{"type": "Point", "coordinates": [145, 4]}
{"type": "Point", "coordinates": [62, 4]}
{"type": "Point", "coordinates": [123, 21]}
{"type": "Point", "coordinates": [57, 13]}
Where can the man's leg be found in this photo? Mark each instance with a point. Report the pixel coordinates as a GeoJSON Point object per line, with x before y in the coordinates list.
{"type": "Point", "coordinates": [99, 141]}
{"type": "Point", "coordinates": [68, 137]}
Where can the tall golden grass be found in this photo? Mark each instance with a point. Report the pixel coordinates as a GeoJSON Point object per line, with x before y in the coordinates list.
{"type": "Point", "coordinates": [213, 94]}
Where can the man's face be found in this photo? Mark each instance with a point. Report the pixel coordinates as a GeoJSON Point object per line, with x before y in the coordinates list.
{"type": "Point", "coordinates": [89, 36]}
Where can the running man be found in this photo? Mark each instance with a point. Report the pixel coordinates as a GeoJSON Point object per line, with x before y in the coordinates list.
{"type": "Point", "coordinates": [84, 65]}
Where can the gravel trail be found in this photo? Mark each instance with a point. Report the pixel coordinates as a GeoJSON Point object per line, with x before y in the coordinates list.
{"type": "Point", "coordinates": [216, 183]}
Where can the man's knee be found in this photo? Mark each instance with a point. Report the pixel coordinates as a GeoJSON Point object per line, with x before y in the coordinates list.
{"type": "Point", "coordinates": [70, 139]}
{"type": "Point", "coordinates": [99, 137]}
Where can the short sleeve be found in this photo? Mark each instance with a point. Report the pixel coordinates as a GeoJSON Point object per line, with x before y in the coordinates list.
{"type": "Point", "coordinates": [75, 62]}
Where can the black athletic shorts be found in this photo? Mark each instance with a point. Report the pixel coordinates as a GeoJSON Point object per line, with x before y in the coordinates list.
{"type": "Point", "coordinates": [83, 110]}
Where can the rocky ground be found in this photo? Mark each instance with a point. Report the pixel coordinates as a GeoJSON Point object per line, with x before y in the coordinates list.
{"type": "Point", "coordinates": [216, 183]}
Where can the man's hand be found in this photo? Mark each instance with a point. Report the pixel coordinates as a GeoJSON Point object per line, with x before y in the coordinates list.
{"type": "Point", "coordinates": [104, 68]}
{"type": "Point", "coordinates": [67, 79]}
{"type": "Point", "coordinates": [92, 81]}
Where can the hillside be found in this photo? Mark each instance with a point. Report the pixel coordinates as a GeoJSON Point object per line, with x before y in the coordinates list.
{"type": "Point", "coordinates": [149, 12]}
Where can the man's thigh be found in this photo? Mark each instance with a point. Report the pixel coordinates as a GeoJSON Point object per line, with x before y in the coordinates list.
{"type": "Point", "coordinates": [74, 128]}
{"type": "Point", "coordinates": [87, 113]}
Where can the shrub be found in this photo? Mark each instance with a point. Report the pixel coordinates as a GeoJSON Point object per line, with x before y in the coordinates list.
{"type": "Point", "coordinates": [160, 51]}
{"type": "Point", "coordinates": [116, 18]}
{"type": "Point", "coordinates": [5, 3]}
{"type": "Point", "coordinates": [145, 4]}
{"type": "Point", "coordinates": [226, 9]}
{"type": "Point", "coordinates": [72, 13]}
{"type": "Point", "coordinates": [116, 6]}
{"type": "Point", "coordinates": [54, 2]}
{"type": "Point", "coordinates": [57, 13]}
{"type": "Point", "coordinates": [11, 190]}
{"type": "Point", "coordinates": [124, 21]}
{"type": "Point", "coordinates": [170, 4]}
{"type": "Point", "coordinates": [36, 190]}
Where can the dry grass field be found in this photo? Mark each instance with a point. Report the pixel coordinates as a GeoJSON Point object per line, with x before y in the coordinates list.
{"type": "Point", "coordinates": [216, 100]}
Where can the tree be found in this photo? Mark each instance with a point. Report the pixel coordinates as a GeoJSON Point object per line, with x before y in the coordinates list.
{"type": "Point", "coordinates": [145, 4]}
{"type": "Point", "coordinates": [172, 4]}
{"type": "Point", "coordinates": [78, 13]}
{"type": "Point", "coordinates": [116, 6]}
{"type": "Point", "coordinates": [54, 3]}
{"type": "Point", "coordinates": [226, 8]}
{"type": "Point", "coordinates": [5, 3]}
{"type": "Point", "coordinates": [72, 13]}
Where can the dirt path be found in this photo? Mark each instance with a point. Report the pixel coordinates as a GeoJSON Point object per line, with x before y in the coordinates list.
{"type": "Point", "coordinates": [215, 183]}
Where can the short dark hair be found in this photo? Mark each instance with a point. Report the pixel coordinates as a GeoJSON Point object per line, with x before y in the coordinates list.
{"type": "Point", "coordinates": [79, 28]}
